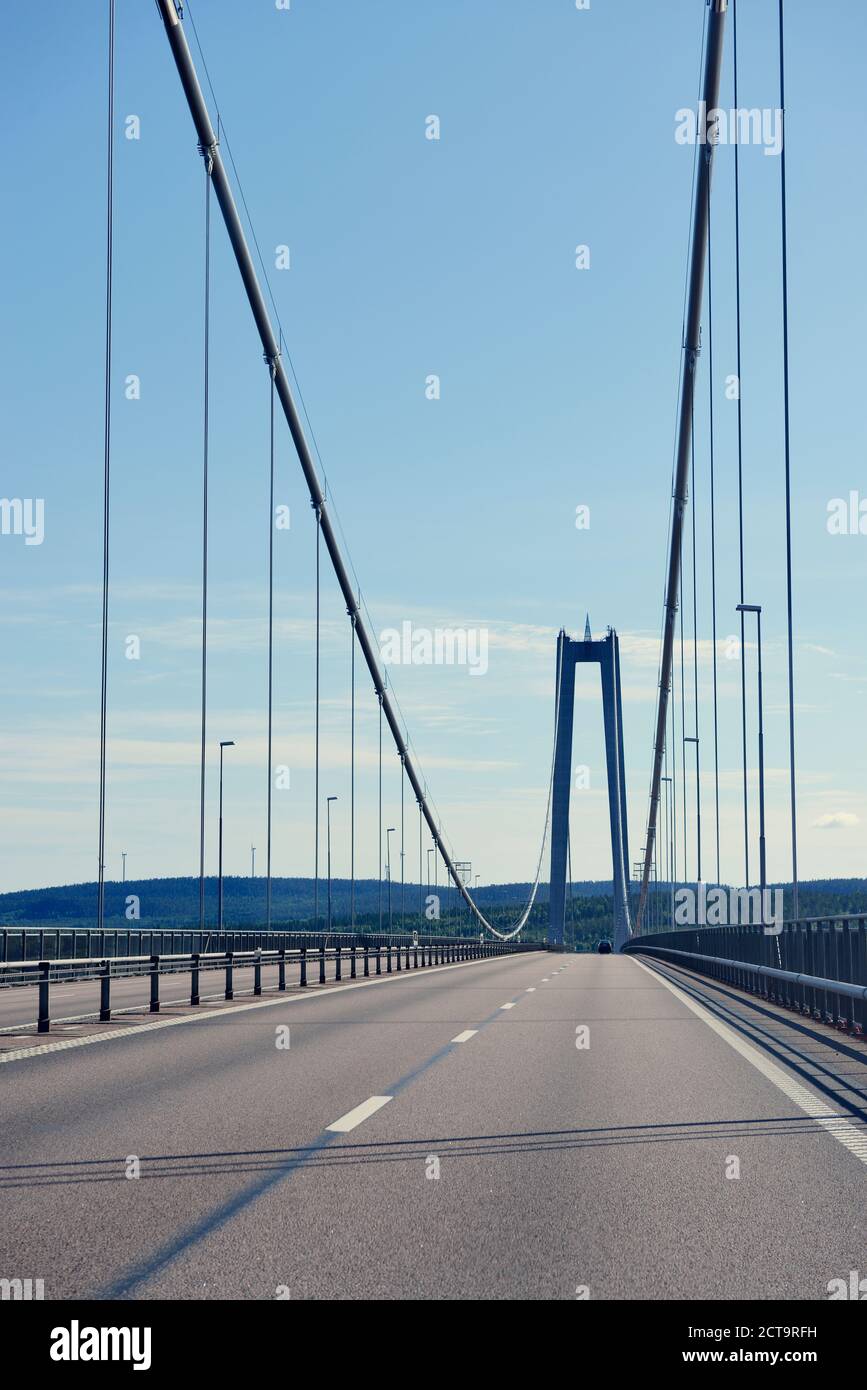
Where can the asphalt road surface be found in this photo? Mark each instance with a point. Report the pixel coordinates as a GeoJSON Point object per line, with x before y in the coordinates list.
{"type": "Point", "coordinates": [445, 1133]}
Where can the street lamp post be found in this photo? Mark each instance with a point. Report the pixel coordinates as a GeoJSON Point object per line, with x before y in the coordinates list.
{"type": "Point", "coordinates": [388, 866]}
{"type": "Point", "coordinates": [689, 738]}
{"type": "Point", "coordinates": [123, 857]}
{"type": "Point", "coordinates": [757, 609]}
{"type": "Point", "coordinates": [252, 861]}
{"type": "Point", "coordinates": [429, 853]}
{"type": "Point", "coordinates": [226, 743]}
{"type": "Point", "coordinates": [328, 801]}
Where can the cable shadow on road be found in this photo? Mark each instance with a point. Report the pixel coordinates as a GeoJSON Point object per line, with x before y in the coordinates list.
{"type": "Point", "coordinates": [250, 1161]}
{"type": "Point", "coordinates": [786, 1044]}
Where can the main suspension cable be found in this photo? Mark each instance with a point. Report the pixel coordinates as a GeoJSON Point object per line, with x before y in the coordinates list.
{"type": "Point", "coordinates": [177, 40]}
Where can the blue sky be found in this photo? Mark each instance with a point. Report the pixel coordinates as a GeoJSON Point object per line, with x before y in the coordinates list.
{"type": "Point", "coordinates": [412, 257]}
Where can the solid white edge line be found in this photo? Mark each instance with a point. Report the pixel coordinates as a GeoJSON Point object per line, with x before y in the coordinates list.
{"type": "Point", "coordinates": [465, 1035]}
{"type": "Point", "coordinates": [849, 1135]}
{"type": "Point", "coordinates": [66, 1044]}
{"type": "Point", "coordinates": [353, 1118]}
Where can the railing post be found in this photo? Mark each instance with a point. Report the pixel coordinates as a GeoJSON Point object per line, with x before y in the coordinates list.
{"type": "Point", "coordinates": [388, 959]}
{"type": "Point", "coordinates": [257, 973]}
{"type": "Point", "coordinates": [322, 965]}
{"type": "Point", "coordinates": [397, 954]}
{"type": "Point", "coordinates": [155, 984]}
{"type": "Point", "coordinates": [303, 967]}
{"type": "Point", "coordinates": [352, 966]}
{"type": "Point", "coordinates": [378, 961]}
{"type": "Point", "coordinates": [281, 969]}
{"type": "Point", "coordinates": [194, 979]}
{"type": "Point", "coordinates": [105, 992]}
{"type": "Point", "coordinates": [338, 974]}
{"type": "Point", "coordinates": [44, 1021]}
{"type": "Point", "coordinates": [366, 961]}
{"type": "Point", "coordinates": [230, 987]}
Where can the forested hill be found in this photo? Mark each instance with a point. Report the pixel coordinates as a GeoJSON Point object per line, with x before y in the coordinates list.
{"type": "Point", "coordinates": [175, 902]}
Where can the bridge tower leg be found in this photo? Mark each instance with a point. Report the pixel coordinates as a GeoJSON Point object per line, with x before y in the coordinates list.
{"type": "Point", "coordinates": [611, 710]}
{"type": "Point", "coordinates": [565, 697]}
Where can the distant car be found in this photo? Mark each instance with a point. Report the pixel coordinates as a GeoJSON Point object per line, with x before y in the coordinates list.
{"type": "Point", "coordinates": [604, 948]}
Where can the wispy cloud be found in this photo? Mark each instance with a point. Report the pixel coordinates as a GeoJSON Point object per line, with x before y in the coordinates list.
{"type": "Point", "coordinates": [836, 820]}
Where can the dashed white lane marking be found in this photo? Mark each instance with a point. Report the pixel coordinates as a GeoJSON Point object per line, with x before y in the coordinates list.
{"type": "Point", "coordinates": [352, 1118]}
{"type": "Point", "coordinates": [532, 989]}
{"type": "Point", "coordinates": [507, 1006]}
{"type": "Point", "coordinates": [65, 1044]}
{"type": "Point", "coordinates": [466, 1035]}
{"type": "Point", "coordinates": [850, 1135]}
{"type": "Point", "coordinates": [545, 980]}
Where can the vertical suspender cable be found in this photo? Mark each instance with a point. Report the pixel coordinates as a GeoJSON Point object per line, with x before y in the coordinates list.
{"type": "Point", "coordinates": [352, 776]}
{"type": "Point", "coordinates": [571, 898]}
{"type": "Point", "coordinates": [683, 730]}
{"type": "Point", "coordinates": [379, 841]}
{"type": "Point", "coordinates": [784, 232]}
{"type": "Point", "coordinates": [273, 372]}
{"type": "Point", "coordinates": [673, 791]}
{"type": "Point", "coordinates": [316, 744]}
{"type": "Point", "coordinates": [208, 158]}
{"type": "Point", "coordinates": [740, 459]}
{"type": "Point", "coordinates": [694, 519]}
{"type": "Point", "coordinates": [402, 855]}
{"type": "Point", "coordinates": [109, 264]}
{"type": "Point", "coordinates": [713, 537]}
{"type": "Point", "coordinates": [420, 868]}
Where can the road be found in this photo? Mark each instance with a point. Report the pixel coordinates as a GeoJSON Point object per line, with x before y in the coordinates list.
{"type": "Point", "coordinates": [562, 1169]}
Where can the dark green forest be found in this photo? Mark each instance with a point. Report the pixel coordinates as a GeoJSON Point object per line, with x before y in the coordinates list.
{"type": "Point", "coordinates": [174, 902]}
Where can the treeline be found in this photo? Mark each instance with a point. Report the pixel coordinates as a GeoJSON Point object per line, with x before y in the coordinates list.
{"type": "Point", "coordinates": [174, 902]}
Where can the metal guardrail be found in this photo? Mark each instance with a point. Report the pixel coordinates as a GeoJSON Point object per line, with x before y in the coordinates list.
{"type": "Point", "coordinates": [83, 943]}
{"type": "Point", "coordinates": [406, 954]}
{"type": "Point", "coordinates": [818, 967]}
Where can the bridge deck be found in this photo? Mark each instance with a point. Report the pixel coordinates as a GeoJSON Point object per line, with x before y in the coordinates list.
{"type": "Point", "coordinates": [559, 1167]}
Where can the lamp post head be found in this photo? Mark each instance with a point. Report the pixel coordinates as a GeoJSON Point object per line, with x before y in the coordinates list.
{"type": "Point", "coordinates": [748, 608]}
{"type": "Point", "coordinates": [227, 743]}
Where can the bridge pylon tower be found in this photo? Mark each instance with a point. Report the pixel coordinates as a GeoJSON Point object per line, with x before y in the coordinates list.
{"type": "Point", "coordinates": [606, 654]}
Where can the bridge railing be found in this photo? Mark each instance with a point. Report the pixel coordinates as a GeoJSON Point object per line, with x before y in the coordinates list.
{"type": "Point", "coordinates": [816, 966]}
{"type": "Point", "coordinates": [83, 943]}
{"type": "Point", "coordinates": [368, 958]}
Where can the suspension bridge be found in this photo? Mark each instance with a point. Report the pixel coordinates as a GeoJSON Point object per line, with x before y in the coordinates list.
{"type": "Point", "coordinates": [404, 1111]}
